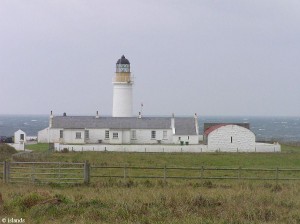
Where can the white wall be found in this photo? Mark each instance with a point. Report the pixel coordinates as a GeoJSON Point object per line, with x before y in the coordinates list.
{"type": "Point", "coordinates": [70, 136]}
{"type": "Point", "coordinates": [46, 134]}
{"type": "Point", "coordinates": [264, 147]}
{"type": "Point", "coordinates": [242, 139]}
{"type": "Point", "coordinates": [17, 136]}
{"type": "Point", "coordinates": [261, 147]}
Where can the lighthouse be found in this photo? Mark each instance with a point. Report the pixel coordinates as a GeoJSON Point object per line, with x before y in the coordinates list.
{"type": "Point", "coordinates": [122, 89]}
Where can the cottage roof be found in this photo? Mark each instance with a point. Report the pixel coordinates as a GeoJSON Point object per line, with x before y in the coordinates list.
{"type": "Point", "coordinates": [183, 125]}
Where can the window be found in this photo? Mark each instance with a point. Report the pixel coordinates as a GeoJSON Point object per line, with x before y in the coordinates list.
{"type": "Point", "coordinates": [179, 138]}
{"type": "Point", "coordinates": [133, 134]}
{"type": "Point", "coordinates": [61, 134]}
{"type": "Point", "coordinates": [106, 134]}
{"type": "Point", "coordinates": [115, 135]}
{"type": "Point", "coordinates": [86, 134]}
{"type": "Point", "coordinates": [78, 135]}
{"type": "Point", "coordinates": [165, 134]}
{"type": "Point", "coordinates": [231, 139]}
{"type": "Point", "coordinates": [21, 136]}
{"type": "Point", "coordinates": [153, 134]}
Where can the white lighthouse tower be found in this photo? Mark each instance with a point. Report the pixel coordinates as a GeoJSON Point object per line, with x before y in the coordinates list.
{"type": "Point", "coordinates": [122, 93]}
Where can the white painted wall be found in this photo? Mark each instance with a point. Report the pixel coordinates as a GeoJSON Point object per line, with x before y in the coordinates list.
{"type": "Point", "coordinates": [122, 100]}
{"type": "Point", "coordinates": [17, 136]}
{"type": "Point", "coordinates": [261, 147]}
{"type": "Point", "coordinates": [70, 136]}
{"type": "Point", "coordinates": [49, 135]}
{"type": "Point", "coordinates": [242, 139]}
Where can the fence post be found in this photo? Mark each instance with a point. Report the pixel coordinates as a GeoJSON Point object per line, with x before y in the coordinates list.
{"type": "Point", "coordinates": [276, 175]}
{"type": "Point", "coordinates": [86, 172]}
{"type": "Point", "coordinates": [59, 166]}
{"type": "Point", "coordinates": [124, 172]}
{"type": "Point", "coordinates": [202, 171]}
{"type": "Point", "coordinates": [239, 173]}
{"type": "Point", "coordinates": [165, 174]}
{"type": "Point", "coordinates": [4, 171]}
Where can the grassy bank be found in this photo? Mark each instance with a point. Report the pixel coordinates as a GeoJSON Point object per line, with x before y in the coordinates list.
{"type": "Point", "coordinates": [149, 202]}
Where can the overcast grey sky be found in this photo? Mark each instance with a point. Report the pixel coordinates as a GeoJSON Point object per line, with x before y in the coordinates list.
{"type": "Point", "coordinates": [212, 57]}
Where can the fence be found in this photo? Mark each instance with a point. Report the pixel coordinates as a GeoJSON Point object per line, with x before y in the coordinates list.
{"type": "Point", "coordinates": [45, 172]}
{"type": "Point", "coordinates": [76, 173]}
{"type": "Point", "coordinates": [194, 173]}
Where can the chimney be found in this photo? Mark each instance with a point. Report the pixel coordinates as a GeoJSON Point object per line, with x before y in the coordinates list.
{"type": "Point", "coordinates": [196, 123]}
{"type": "Point", "coordinates": [140, 115]}
{"type": "Point", "coordinates": [51, 119]}
{"type": "Point", "coordinates": [173, 124]}
{"type": "Point", "coordinates": [97, 114]}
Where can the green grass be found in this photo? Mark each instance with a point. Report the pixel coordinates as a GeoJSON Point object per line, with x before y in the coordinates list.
{"type": "Point", "coordinates": [40, 147]}
{"type": "Point", "coordinates": [152, 201]}
{"type": "Point", "coordinates": [149, 202]}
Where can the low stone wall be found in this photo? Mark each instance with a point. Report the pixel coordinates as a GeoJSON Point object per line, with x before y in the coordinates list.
{"type": "Point", "coordinates": [260, 147]}
{"type": "Point", "coordinates": [265, 147]}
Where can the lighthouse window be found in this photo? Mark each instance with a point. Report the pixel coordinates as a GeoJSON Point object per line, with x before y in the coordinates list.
{"type": "Point", "coordinates": [61, 134]}
{"type": "Point", "coordinates": [115, 135]}
{"type": "Point", "coordinates": [153, 134]}
{"type": "Point", "coordinates": [231, 139]}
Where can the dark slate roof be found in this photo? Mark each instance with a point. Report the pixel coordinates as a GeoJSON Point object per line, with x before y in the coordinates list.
{"type": "Point", "coordinates": [183, 125]}
{"type": "Point", "coordinates": [123, 60]}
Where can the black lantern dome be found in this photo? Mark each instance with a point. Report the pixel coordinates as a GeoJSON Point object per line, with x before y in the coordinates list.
{"type": "Point", "coordinates": [123, 61]}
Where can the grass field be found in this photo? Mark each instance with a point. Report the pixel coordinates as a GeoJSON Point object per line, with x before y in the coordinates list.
{"type": "Point", "coordinates": [152, 201]}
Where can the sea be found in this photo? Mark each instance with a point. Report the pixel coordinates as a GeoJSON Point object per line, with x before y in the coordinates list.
{"type": "Point", "coordinates": [266, 129]}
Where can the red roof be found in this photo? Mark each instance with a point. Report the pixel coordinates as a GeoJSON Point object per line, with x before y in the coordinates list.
{"type": "Point", "coordinates": [212, 128]}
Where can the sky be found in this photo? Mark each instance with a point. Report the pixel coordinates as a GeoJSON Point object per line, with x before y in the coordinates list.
{"type": "Point", "coordinates": [210, 57]}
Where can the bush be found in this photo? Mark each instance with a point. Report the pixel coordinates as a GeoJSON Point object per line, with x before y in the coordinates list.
{"type": "Point", "coordinates": [6, 151]}
{"type": "Point", "coordinates": [65, 150]}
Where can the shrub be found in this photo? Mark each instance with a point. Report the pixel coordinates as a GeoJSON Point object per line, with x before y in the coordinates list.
{"type": "Point", "coordinates": [6, 151]}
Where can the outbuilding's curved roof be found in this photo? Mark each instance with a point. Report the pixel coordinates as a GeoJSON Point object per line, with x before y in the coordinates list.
{"type": "Point", "coordinates": [212, 128]}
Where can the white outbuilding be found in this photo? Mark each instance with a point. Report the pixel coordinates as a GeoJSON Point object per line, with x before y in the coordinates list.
{"type": "Point", "coordinates": [20, 137]}
{"type": "Point", "coordinates": [230, 137]}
